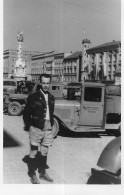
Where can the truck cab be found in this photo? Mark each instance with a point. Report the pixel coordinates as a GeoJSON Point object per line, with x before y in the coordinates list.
{"type": "Point", "coordinates": [93, 112]}
{"type": "Point", "coordinates": [86, 114]}
{"type": "Point", "coordinates": [9, 86]}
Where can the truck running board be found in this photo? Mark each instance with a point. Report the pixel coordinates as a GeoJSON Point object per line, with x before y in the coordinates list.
{"type": "Point", "coordinates": [87, 129]}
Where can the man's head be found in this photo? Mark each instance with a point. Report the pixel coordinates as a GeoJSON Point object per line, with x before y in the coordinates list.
{"type": "Point", "coordinates": [45, 80]}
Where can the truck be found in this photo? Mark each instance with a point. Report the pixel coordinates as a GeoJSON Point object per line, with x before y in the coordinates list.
{"type": "Point", "coordinates": [98, 110]}
{"type": "Point", "coordinates": [13, 103]}
{"type": "Point", "coordinates": [9, 86]}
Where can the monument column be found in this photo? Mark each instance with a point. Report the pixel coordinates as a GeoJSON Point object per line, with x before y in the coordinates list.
{"type": "Point", "coordinates": [20, 67]}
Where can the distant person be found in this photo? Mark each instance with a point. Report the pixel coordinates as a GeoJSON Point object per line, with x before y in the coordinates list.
{"type": "Point", "coordinates": [23, 86]}
{"type": "Point", "coordinates": [38, 120]}
{"type": "Point", "coordinates": [19, 87]}
{"type": "Point", "coordinates": [77, 94]}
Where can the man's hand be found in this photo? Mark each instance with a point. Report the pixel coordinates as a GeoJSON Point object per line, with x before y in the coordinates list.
{"type": "Point", "coordinates": [26, 128]}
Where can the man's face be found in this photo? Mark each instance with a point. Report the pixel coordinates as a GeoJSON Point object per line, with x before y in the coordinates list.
{"type": "Point", "coordinates": [45, 83]}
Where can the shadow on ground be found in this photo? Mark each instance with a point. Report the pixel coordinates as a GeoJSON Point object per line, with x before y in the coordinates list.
{"type": "Point", "coordinates": [64, 132]}
{"type": "Point", "coordinates": [9, 140]}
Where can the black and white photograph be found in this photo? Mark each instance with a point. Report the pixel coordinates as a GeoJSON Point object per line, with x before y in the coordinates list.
{"type": "Point", "coordinates": [62, 95]}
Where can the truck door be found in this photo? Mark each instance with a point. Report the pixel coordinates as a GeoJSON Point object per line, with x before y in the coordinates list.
{"type": "Point", "coordinates": [92, 106]}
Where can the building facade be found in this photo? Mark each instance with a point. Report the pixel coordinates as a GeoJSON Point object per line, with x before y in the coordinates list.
{"type": "Point", "coordinates": [84, 70]}
{"type": "Point", "coordinates": [58, 74]}
{"type": "Point", "coordinates": [104, 61]}
{"type": "Point", "coordinates": [50, 63]}
{"type": "Point", "coordinates": [9, 59]}
{"type": "Point", "coordinates": [75, 65]}
{"type": "Point", "coordinates": [72, 67]}
{"type": "Point", "coordinates": [42, 63]}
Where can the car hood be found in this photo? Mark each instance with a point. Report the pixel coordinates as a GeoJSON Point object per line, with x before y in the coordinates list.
{"type": "Point", "coordinates": [9, 87]}
{"type": "Point", "coordinates": [18, 96]}
{"type": "Point", "coordinates": [66, 103]}
{"type": "Point", "coordinates": [110, 158]}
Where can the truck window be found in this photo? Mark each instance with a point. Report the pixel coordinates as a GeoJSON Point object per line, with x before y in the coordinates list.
{"type": "Point", "coordinates": [10, 83]}
{"type": "Point", "coordinates": [74, 93]}
{"type": "Point", "coordinates": [92, 94]}
{"type": "Point", "coordinates": [56, 87]}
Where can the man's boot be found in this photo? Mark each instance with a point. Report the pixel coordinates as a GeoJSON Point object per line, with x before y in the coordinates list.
{"type": "Point", "coordinates": [41, 169]}
{"type": "Point", "coordinates": [38, 157]}
{"type": "Point", "coordinates": [32, 166]}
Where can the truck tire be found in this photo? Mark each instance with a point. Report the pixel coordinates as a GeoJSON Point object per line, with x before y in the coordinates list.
{"type": "Point", "coordinates": [55, 128]}
{"type": "Point", "coordinates": [14, 109]}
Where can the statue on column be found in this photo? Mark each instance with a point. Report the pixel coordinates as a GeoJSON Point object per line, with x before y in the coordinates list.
{"type": "Point", "coordinates": [20, 67]}
{"type": "Point", "coordinates": [20, 37]}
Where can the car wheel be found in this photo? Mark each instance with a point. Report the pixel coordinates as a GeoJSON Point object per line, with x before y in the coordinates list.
{"type": "Point", "coordinates": [55, 128]}
{"type": "Point", "coordinates": [14, 109]}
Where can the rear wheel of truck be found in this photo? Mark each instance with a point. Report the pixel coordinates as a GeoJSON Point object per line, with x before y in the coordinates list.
{"type": "Point", "coordinates": [55, 128]}
{"type": "Point", "coordinates": [14, 109]}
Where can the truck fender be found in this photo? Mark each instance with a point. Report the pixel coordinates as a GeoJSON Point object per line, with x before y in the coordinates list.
{"type": "Point", "coordinates": [60, 120]}
{"type": "Point", "coordinates": [110, 158]}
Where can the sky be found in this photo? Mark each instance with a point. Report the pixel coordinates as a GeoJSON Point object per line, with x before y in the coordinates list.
{"type": "Point", "coordinates": [60, 25]}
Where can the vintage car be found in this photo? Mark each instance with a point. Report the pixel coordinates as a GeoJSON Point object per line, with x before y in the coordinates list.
{"type": "Point", "coordinates": [108, 170]}
{"type": "Point", "coordinates": [9, 86]}
{"type": "Point", "coordinates": [92, 112]}
{"type": "Point", "coordinates": [15, 102]}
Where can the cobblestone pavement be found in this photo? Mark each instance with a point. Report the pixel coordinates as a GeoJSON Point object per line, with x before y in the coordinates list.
{"type": "Point", "coordinates": [70, 158]}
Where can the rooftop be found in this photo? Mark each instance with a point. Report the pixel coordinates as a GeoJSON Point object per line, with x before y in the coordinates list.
{"type": "Point", "coordinates": [74, 55]}
{"type": "Point", "coordinates": [105, 47]}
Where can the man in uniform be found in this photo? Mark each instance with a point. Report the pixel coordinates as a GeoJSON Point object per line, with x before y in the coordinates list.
{"type": "Point", "coordinates": [38, 120]}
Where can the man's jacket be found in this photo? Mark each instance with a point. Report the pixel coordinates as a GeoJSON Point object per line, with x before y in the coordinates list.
{"type": "Point", "coordinates": [35, 110]}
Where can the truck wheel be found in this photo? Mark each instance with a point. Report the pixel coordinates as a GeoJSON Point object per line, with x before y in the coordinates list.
{"type": "Point", "coordinates": [55, 128]}
{"type": "Point", "coordinates": [14, 109]}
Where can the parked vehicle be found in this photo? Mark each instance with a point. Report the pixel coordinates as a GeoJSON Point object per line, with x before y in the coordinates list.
{"type": "Point", "coordinates": [9, 86]}
{"type": "Point", "coordinates": [108, 170]}
{"type": "Point", "coordinates": [56, 89]}
{"type": "Point", "coordinates": [14, 103]}
{"type": "Point", "coordinates": [95, 110]}
{"type": "Point", "coordinates": [91, 113]}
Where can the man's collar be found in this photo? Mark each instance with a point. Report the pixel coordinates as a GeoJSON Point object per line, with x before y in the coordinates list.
{"type": "Point", "coordinates": [43, 92]}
